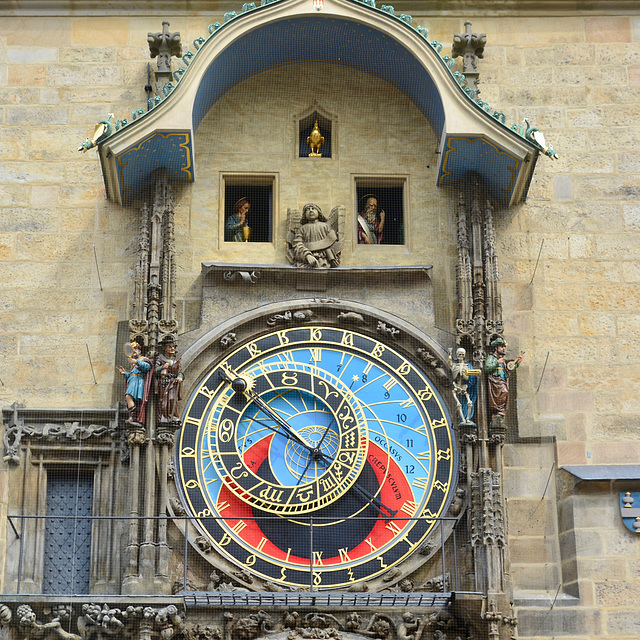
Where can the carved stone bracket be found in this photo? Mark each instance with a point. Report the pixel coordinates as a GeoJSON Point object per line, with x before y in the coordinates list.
{"type": "Point", "coordinates": [387, 329]}
{"type": "Point", "coordinates": [137, 435]}
{"type": "Point", "coordinates": [228, 339]}
{"type": "Point", "coordinates": [250, 277]}
{"type": "Point", "coordinates": [434, 363]}
{"type": "Point", "coordinates": [290, 316]}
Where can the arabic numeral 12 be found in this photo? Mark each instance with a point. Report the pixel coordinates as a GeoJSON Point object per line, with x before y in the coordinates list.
{"type": "Point", "coordinates": [409, 468]}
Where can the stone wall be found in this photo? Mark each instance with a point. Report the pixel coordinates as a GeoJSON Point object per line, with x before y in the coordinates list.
{"type": "Point", "coordinates": [569, 261]}
{"type": "Point", "coordinates": [570, 293]}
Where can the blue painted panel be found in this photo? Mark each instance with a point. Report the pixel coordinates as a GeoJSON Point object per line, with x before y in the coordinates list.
{"type": "Point", "coordinates": [171, 150]}
{"type": "Point", "coordinates": [465, 155]}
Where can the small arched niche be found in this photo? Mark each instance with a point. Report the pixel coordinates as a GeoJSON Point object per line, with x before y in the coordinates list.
{"type": "Point", "coordinates": [326, 125]}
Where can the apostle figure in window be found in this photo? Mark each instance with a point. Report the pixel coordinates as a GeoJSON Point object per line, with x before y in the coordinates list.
{"type": "Point", "coordinates": [315, 243]}
{"type": "Point", "coordinates": [169, 377]}
{"type": "Point", "coordinates": [237, 228]}
{"type": "Point", "coordinates": [138, 381]}
{"type": "Point", "coordinates": [370, 221]}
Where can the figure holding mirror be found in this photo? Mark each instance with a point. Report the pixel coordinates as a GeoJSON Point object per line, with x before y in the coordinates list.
{"type": "Point", "coordinates": [237, 228]}
{"type": "Point", "coordinates": [138, 381]}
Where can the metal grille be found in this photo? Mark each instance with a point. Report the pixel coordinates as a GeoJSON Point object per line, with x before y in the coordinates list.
{"type": "Point", "coordinates": [337, 599]}
{"type": "Point", "coordinates": [67, 552]}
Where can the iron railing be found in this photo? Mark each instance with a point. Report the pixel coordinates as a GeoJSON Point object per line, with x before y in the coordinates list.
{"type": "Point", "coordinates": [445, 555]}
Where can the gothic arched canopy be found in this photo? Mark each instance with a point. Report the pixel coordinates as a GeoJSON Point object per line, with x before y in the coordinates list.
{"type": "Point", "coordinates": [472, 136]}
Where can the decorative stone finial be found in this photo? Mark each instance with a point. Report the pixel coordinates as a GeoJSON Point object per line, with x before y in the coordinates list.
{"type": "Point", "coordinates": [163, 45]}
{"type": "Point", "coordinates": [471, 47]}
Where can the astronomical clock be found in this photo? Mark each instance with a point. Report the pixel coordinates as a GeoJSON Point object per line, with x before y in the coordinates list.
{"type": "Point", "coordinates": [317, 449]}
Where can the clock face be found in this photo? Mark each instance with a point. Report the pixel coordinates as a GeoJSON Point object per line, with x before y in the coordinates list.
{"type": "Point", "coordinates": [316, 457]}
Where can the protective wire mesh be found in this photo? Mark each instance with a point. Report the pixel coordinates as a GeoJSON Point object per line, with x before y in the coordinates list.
{"type": "Point", "coordinates": [378, 151]}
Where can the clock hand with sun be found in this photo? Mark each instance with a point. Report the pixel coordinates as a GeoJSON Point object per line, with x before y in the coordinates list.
{"type": "Point", "coordinates": [240, 385]}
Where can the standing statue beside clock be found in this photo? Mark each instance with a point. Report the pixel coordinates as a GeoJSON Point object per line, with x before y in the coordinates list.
{"type": "Point", "coordinates": [168, 378]}
{"type": "Point", "coordinates": [498, 369]}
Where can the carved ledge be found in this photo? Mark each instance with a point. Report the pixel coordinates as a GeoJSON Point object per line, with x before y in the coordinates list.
{"type": "Point", "coordinates": [215, 274]}
{"type": "Point", "coordinates": [429, 7]}
{"type": "Point", "coordinates": [62, 425]}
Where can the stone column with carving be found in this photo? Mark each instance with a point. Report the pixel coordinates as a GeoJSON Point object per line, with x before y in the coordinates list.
{"type": "Point", "coordinates": [138, 324]}
{"type": "Point", "coordinates": [479, 321]}
{"type": "Point", "coordinates": [154, 319]}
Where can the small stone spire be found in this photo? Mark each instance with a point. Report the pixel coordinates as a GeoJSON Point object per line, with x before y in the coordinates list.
{"type": "Point", "coordinates": [471, 47]}
{"type": "Point", "coordinates": [163, 45]}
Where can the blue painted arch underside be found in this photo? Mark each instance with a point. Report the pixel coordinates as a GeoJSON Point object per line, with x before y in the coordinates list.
{"type": "Point", "coordinates": [323, 40]}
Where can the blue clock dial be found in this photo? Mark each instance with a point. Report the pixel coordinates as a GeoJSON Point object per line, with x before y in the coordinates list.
{"type": "Point", "coordinates": [316, 456]}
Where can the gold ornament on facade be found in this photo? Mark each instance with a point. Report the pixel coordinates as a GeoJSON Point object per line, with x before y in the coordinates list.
{"type": "Point", "coordinates": [315, 141]}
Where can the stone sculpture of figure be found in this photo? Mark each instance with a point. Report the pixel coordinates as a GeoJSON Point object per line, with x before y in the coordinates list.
{"type": "Point", "coordinates": [138, 381]}
{"type": "Point", "coordinates": [497, 369]}
{"type": "Point", "coordinates": [464, 379]}
{"type": "Point", "coordinates": [408, 627]}
{"type": "Point", "coordinates": [237, 228]}
{"type": "Point", "coordinates": [169, 377]}
{"type": "Point", "coordinates": [315, 243]}
{"type": "Point", "coordinates": [370, 221]}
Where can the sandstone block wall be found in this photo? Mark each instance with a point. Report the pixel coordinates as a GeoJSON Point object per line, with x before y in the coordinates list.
{"type": "Point", "coordinates": [568, 256]}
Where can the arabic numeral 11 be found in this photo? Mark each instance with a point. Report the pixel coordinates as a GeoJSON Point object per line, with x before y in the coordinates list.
{"type": "Point", "coordinates": [409, 442]}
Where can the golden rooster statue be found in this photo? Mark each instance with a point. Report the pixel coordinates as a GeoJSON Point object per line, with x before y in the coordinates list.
{"type": "Point", "coordinates": [315, 141]}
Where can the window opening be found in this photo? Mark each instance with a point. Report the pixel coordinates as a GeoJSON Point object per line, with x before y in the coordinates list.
{"type": "Point", "coordinates": [380, 207]}
{"type": "Point", "coordinates": [305, 129]}
{"type": "Point", "coordinates": [248, 208]}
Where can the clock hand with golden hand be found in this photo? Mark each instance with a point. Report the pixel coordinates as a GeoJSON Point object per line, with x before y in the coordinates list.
{"type": "Point", "coordinates": [376, 502]}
